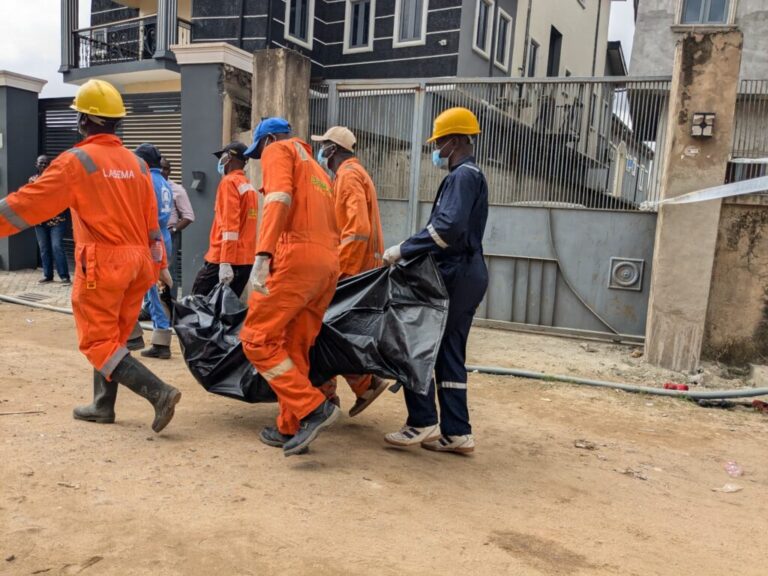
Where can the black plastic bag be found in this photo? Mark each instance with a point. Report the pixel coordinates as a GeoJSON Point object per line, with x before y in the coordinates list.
{"type": "Point", "coordinates": [387, 322]}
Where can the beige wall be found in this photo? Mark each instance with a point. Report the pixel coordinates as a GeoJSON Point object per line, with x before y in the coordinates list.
{"type": "Point", "coordinates": [737, 326]}
{"type": "Point", "coordinates": [149, 87]}
{"type": "Point", "coordinates": [577, 25]}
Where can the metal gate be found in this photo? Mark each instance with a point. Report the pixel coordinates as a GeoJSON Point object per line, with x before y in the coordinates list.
{"type": "Point", "coordinates": [154, 118]}
{"type": "Point", "coordinates": [568, 163]}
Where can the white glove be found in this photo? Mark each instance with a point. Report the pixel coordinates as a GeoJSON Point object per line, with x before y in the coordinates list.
{"type": "Point", "coordinates": [226, 274]}
{"type": "Point", "coordinates": [260, 273]}
{"type": "Point", "coordinates": [392, 255]}
{"type": "Point", "coordinates": [165, 278]}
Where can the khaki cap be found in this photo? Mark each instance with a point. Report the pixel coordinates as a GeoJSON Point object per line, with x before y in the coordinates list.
{"type": "Point", "coordinates": [340, 135]}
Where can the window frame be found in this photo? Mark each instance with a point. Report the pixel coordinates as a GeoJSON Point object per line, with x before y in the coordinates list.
{"type": "Point", "coordinates": [487, 54]}
{"type": "Point", "coordinates": [730, 10]}
{"type": "Point", "coordinates": [502, 14]}
{"type": "Point", "coordinates": [346, 47]}
{"type": "Point", "coordinates": [422, 40]}
{"type": "Point", "coordinates": [532, 59]}
{"type": "Point", "coordinates": [310, 25]}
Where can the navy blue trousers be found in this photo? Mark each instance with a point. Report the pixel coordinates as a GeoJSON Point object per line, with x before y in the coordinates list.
{"type": "Point", "coordinates": [466, 282]}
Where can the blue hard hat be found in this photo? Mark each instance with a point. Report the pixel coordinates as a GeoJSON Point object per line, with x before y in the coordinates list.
{"type": "Point", "coordinates": [267, 126]}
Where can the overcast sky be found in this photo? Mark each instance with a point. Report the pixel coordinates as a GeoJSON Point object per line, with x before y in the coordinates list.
{"type": "Point", "coordinates": [30, 38]}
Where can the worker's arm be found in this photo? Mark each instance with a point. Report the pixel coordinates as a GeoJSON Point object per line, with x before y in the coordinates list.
{"type": "Point", "coordinates": [449, 222]}
{"type": "Point", "coordinates": [228, 215]}
{"type": "Point", "coordinates": [49, 195]}
{"type": "Point", "coordinates": [277, 168]}
{"type": "Point", "coordinates": [354, 221]}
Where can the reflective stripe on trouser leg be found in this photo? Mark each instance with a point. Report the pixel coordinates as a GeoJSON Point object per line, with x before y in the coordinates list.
{"type": "Point", "coordinates": [421, 409]}
{"type": "Point", "coordinates": [112, 362]}
{"type": "Point", "coordinates": [161, 337]}
{"type": "Point", "coordinates": [358, 383]}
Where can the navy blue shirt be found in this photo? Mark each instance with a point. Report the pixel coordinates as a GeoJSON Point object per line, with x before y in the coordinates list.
{"type": "Point", "coordinates": [459, 214]}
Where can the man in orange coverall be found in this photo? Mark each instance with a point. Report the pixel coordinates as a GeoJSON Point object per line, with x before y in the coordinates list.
{"type": "Point", "coordinates": [357, 215]}
{"type": "Point", "coordinates": [119, 249]}
{"type": "Point", "coordinates": [232, 245]}
{"type": "Point", "coordinates": [293, 278]}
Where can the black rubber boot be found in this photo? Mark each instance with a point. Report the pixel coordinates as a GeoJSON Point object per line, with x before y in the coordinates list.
{"type": "Point", "coordinates": [136, 338]}
{"type": "Point", "coordinates": [134, 375]}
{"type": "Point", "coordinates": [102, 410]}
{"type": "Point", "coordinates": [157, 351]}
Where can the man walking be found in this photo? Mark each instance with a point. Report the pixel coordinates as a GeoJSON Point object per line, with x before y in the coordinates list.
{"type": "Point", "coordinates": [454, 234]}
{"type": "Point", "coordinates": [182, 215]}
{"type": "Point", "coordinates": [160, 345]}
{"type": "Point", "coordinates": [232, 245]}
{"type": "Point", "coordinates": [119, 248]}
{"type": "Point", "coordinates": [50, 235]}
{"type": "Point", "coordinates": [294, 279]}
{"type": "Point", "coordinates": [361, 243]}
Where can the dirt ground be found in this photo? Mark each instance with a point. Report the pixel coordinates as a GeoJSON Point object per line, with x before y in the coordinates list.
{"type": "Point", "coordinates": [207, 498]}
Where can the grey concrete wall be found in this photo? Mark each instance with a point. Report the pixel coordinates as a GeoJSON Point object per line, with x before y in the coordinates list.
{"type": "Point", "coordinates": [201, 129]}
{"type": "Point", "coordinates": [656, 35]}
{"type": "Point", "coordinates": [18, 126]}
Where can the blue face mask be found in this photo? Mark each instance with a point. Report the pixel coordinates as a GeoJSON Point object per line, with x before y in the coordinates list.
{"type": "Point", "coordinates": [222, 164]}
{"type": "Point", "coordinates": [439, 161]}
{"type": "Point", "coordinates": [322, 159]}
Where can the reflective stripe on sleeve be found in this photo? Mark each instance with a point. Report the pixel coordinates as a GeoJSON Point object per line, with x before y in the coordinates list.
{"type": "Point", "coordinates": [283, 197]}
{"type": "Point", "coordinates": [301, 151]}
{"type": "Point", "coordinates": [230, 236]}
{"type": "Point", "coordinates": [436, 237]}
{"type": "Point", "coordinates": [245, 187]}
{"type": "Point", "coordinates": [10, 214]}
{"type": "Point", "coordinates": [452, 385]}
{"type": "Point", "coordinates": [278, 370]}
{"type": "Point", "coordinates": [88, 164]}
{"type": "Point", "coordinates": [354, 238]}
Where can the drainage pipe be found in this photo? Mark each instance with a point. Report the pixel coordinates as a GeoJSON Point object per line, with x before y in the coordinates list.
{"type": "Point", "coordinates": [692, 394]}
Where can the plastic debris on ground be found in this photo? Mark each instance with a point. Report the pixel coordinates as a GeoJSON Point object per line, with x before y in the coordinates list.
{"type": "Point", "coordinates": [388, 322]}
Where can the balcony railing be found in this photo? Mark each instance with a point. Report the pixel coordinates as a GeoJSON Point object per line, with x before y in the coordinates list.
{"type": "Point", "coordinates": [129, 40]}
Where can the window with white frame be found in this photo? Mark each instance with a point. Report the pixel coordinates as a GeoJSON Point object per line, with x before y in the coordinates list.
{"type": "Point", "coordinates": [299, 21]}
{"type": "Point", "coordinates": [358, 26]}
{"type": "Point", "coordinates": [410, 22]}
{"type": "Point", "coordinates": [533, 57]}
{"type": "Point", "coordinates": [503, 40]}
{"type": "Point", "coordinates": [481, 39]}
{"type": "Point", "coordinates": [704, 11]}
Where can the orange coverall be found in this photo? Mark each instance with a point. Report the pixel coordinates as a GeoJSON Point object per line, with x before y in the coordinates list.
{"type": "Point", "coordinates": [233, 233]}
{"type": "Point", "coordinates": [362, 241]}
{"type": "Point", "coordinates": [299, 229]}
{"type": "Point", "coordinates": [114, 214]}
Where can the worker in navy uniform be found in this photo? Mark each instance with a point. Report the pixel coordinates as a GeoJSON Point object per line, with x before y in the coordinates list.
{"type": "Point", "coordinates": [454, 235]}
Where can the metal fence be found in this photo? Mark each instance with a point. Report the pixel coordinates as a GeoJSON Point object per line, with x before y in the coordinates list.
{"type": "Point", "coordinates": [750, 137]}
{"type": "Point", "coordinates": [587, 143]}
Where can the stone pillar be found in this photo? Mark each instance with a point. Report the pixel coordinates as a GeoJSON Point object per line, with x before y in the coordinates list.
{"type": "Point", "coordinates": [281, 88]}
{"type": "Point", "coordinates": [167, 28]}
{"type": "Point", "coordinates": [69, 22]}
{"type": "Point", "coordinates": [18, 151]}
{"type": "Point", "coordinates": [705, 79]}
{"type": "Point", "coordinates": [205, 69]}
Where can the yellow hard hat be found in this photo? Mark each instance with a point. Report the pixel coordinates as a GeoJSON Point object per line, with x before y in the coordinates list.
{"type": "Point", "coordinates": [99, 98]}
{"type": "Point", "coordinates": [455, 121]}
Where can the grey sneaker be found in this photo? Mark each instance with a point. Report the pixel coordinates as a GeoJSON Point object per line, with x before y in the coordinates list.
{"type": "Point", "coordinates": [271, 436]}
{"type": "Point", "coordinates": [311, 425]}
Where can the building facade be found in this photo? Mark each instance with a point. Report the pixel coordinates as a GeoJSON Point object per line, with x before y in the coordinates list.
{"type": "Point", "coordinates": [660, 23]}
{"type": "Point", "coordinates": [129, 41]}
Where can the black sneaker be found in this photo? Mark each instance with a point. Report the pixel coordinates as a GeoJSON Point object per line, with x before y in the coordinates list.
{"type": "Point", "coordinates": [45, 280]}
{"type": "Point", "coordinates": [311, 425]}
{"type": "Point", "coordinates": [135, 344]}
{"type": "Point", "coordinates": [157, 351]}
{"type": "Point", "coordinates": [66, 282]}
